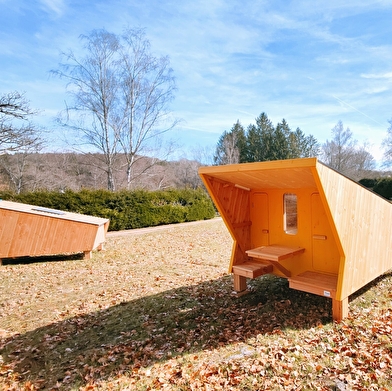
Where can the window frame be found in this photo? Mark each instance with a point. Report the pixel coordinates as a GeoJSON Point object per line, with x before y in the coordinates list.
{"type": "Point", "coordinates": [290, 213]}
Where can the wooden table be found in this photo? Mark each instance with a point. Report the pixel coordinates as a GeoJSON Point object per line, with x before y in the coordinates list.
{"type": "Point", "coordinates": [274, 254]}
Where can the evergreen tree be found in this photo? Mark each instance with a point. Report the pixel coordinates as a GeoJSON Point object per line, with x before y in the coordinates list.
{"type": "Point", "coordinates": [303, 146]}
{"type": "Point", "coordinates": [282, 137]}
{"type": "Point", "coordinates": [263, 142]}
{"type": "Point", "coordinates": [260, 139]}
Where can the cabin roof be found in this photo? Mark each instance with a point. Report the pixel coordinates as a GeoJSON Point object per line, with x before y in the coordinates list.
{"type": "Point", "coordinates": [292, 174]}
{"type": "Point", "coordinates": [54, 213]}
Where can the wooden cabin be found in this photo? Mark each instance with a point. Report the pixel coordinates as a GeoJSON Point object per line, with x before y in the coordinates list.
{"type": "Point", "coordinates": [303, 221]}
{"type": "Point", "coordinates": [28, 230]}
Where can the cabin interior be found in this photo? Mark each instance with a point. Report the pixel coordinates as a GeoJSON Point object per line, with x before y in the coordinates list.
{"type": "Point", "coordinates": [280, 223]}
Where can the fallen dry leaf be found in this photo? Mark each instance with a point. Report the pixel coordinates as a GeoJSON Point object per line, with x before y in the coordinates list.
{"type": "Point", "coordinates": [155, 311]}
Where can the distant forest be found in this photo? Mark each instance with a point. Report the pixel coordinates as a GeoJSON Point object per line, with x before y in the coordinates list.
{"type": "Point", "coordinates": [21, 173]}
{"type": "Point", "coordinates": [62, 171]}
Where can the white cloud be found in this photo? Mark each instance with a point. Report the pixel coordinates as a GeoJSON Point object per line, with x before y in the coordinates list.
{"type": "Point", "coordinates": [374, 89]}
{"type": "Point", "coordinates": [55, 7]}
{"type": "Point", "coordinates": [386, 75]}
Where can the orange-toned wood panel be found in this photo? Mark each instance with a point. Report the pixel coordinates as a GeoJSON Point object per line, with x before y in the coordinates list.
{"type": "Point", "coordinates": [325, 254]}
{"type": "Point", "coordinates": [277, 234]}
{"type": "Point", "coordinates": [233, 203]}
{"type": "Point", "coordinates": [259, 216]}
{"type": "Point", "coordinates": [295, 173]}
{"type": "Point", "coordinates": [24, 234]}
{"type": "Point", "coordinates": [23, 238]}
{"type": "Point", "coordinates": [8, 224]}
{"type": "Point", "coordinates": [276, 218]}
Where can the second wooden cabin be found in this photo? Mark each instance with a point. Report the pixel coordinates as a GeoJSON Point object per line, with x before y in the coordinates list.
{"type": "Point", "coordinates": [301, 220]}
{"type": "Point", "coordinates": [33, 231]}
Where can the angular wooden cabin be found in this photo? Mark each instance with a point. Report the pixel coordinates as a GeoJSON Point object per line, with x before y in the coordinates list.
{"type": "Point", "coordinates": [301, 220]}
{"type": "Point", "coordinates": [28, 230]}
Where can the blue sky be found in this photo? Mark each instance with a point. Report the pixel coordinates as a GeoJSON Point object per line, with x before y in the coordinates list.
{"type": "Point", "coordinates": [311, 62]}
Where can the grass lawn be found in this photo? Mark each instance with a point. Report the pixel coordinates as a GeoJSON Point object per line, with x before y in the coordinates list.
{"type": "Point", "coordinates": [156, 311]}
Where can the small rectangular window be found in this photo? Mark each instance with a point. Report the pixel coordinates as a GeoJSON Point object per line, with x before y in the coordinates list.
{"type": "Point", "coordinates": [290, 218]}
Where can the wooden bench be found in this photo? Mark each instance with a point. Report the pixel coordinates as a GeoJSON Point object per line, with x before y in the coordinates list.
{"type": "Point", "coordinates": [274, 254]}
{"type": "Point", "coordinates": [263, 262]}
{"type": "Point", "coordinates": [267, 257]}
{"type": "Point", "coordinates": [323, 285]}
{"type": "Point", "coordinates": [317, 283]}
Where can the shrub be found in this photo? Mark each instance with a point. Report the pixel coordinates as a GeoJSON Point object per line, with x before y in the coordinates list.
{"type": "Point", "coordinates": [384, 188]}
{"type": "Point", "coordinates": [381, 186]}
{"type": "Point", "coordinates": [126, 209]}
{"type": "Point", "coordinates": [369, 183]}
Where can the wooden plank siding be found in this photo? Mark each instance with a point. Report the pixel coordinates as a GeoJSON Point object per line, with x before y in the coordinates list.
{"type": "Point", "coordinates": [363, 222]}
{"type": "Point", "coordinates": [233, 204]}
{"type": "Point", "coordinates": [25, 231]}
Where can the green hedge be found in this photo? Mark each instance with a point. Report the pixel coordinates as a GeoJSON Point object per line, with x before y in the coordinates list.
{"type": "Point", "coordinates": [381, 186]}
{"type": "Point", "coordinates": [126, 209]}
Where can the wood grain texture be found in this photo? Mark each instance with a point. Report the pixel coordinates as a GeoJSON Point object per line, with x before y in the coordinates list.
{"type": "Point", "coordinates": [26, 231]}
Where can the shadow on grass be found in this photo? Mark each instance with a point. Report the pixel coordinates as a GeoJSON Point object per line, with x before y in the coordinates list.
{"type": "Point", "coordinates": [139, 333]}
{"type": "Point", "coordinates": [370, 285]}
{"type": "Point", "coordinates": [42, 258]}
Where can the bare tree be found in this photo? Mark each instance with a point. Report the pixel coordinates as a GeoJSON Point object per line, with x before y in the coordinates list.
{"type": "Point", "coordinates": [93, 87]}
{"type": "Point", "coordinates": [338, 152]}
{"type": "Point", "coordinates": [14, 104]}
{"type": "Point", "coordinates": [148, 88]}
{"type": "Point", "coordinates": [121, 94]}
{"type": "Point", "coordinates": [16, 130]}
{"type": "Point", "coordinates": [387, 144]}
{"type": "Point", "coordinates": [343, 154]}
{"type": "Point", "coordinates": [228, 149]}
{"type": "Point", "coordinates": [204, 155]}
{"type": "Point", "coordinates": [228, 152]}
{"type": "Point", "coordinates": [16, 168]}
{"type": "Point", "coordinates": [185, 173]}
{"type": "Point", "coordinates": [17, 135]}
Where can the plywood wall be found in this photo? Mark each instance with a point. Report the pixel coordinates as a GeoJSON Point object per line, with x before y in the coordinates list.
{"type": "Point", "coordinates": [363, 221]}
{"type": "Point", "coordinates": [233, 205]}
{"type": "Point", "coordinates": [32, 234]}
{"type": "Point", "coordinates": [313, 229]}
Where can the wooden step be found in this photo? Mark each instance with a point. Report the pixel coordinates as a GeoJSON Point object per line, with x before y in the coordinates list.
{"type": "Point", "coordinates": [252, 269]}
{"type": "Point", "coordinates": [314, 282]}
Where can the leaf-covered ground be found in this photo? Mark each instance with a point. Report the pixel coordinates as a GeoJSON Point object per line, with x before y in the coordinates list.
{"type": "Point", "coordinates": [156, 311]}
